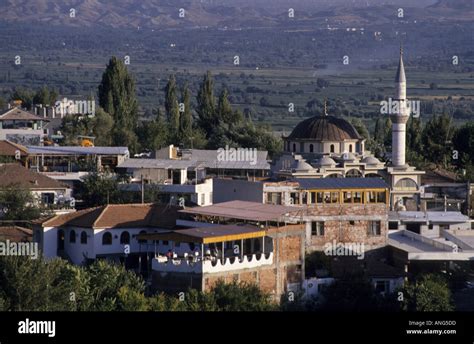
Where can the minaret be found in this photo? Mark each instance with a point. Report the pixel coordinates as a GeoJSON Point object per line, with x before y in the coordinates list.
{"type": "Point", "coordinates": [399, 118]}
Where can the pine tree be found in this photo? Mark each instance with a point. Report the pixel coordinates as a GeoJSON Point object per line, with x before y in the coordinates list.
{"type": "Point", "coordinates": [206, 106]}
{"type": "Point", "coordinates": [117, 97]}
{"type": "Point", "coordinates": [186, 118]}
{"type": "Point", "coordinates": [172, 110]}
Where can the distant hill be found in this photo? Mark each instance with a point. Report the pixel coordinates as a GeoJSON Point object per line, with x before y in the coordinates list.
{"type": "Point", "coordinates": [161, 14]}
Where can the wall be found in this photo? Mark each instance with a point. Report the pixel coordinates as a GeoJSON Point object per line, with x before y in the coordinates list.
{"type": "Point", "coordinates": [225, 190]}
{"type": "Point", "coordinates": [337, 225]}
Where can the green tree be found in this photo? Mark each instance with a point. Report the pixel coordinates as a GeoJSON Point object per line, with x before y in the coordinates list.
{"type": "Point", "coordinates": [172, 109]}
{"type": "Point", "coordinates": [429, 293]}
{"type": "Point", "coordinates": [45, 96]}
{"type": "Point", "coordinates": [99, 189]}
{"type": "Point", "coordinates": [360, 127]}
{"type": "Point", "coordinates": [436, 137]}
{"type": "Point", "coordinates": [19, 204]}
{"type": "Point", "coordinates": [186, 118]}
{"type": "Point", "coordinates": [241, 297]}
{"type": "Point", "coordinates": [206, 106]}
{"type": "Point", "coordinates": [102, 124]}
{"type": "Point", "coordinates": [117, 96]}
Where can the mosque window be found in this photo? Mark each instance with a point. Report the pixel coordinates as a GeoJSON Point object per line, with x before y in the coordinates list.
{"type": "Point", "coordinates": [311, 148]}
{"type": "Point", "coordinates": [294, 147]}
{"type": "Point", "coordinates": [350, 148]}
{"type": "Point", "coordinates": [332, 148]}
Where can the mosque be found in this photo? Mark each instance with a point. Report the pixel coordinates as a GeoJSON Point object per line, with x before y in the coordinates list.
{"type": "Point", "coordinates": [330, 147]}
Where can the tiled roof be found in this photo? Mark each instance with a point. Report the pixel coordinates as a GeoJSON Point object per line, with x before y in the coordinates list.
{"type": "Point", "coordinates": [8, 148]}
{"type": "Point", "coordinates": [14, 174]}
{"type": "Point", "coordinates": [20, 115]}
{"type": "Point", "coordinates": [15, 233]}
{"type": "Point", "coordinates": [117, 216]}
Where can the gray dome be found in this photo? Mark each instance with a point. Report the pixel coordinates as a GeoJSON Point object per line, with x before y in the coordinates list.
{"type": "Point", "coordinates": [370, 160]}
{"type": "Point", "coordinates": [326, 161]}
{"type": "Point", "coordinates": [301, 165]}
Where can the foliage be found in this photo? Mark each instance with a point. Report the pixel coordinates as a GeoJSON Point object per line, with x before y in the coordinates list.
{"type": "Point", "coordinates": [428, 293]}
{"type": "Point", "coordinates": [19, 204]}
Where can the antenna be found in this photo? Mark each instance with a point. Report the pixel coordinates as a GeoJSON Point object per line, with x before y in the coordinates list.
{"type": "Point", "coordinates": [325, 107]}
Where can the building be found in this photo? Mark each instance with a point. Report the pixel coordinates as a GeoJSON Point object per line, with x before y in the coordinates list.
{"type": "Point", "coordinates": [15, 234]}
{"type": "Point", "coordinates": [13, 152]}
{"type": "Point", "coordinates": [243, 241]}
{"type": "Point", "coordinates": [106, 232]}
{"type": "Point", "coordinates": [22, 127]}
{"type": "Point", "coordinates": [70, 163]}
{"type": "Point", "coordinates": [184, 176]}
{"type": "Point", "coordinates": [345, 210]}
{"type": "Point", "coordinates": [330, 147]}
{"type": "Point", "coordinates": [48, 192]}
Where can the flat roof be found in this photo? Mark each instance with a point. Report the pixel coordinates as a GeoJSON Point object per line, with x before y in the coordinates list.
{"type": "Point", "coordinates": [341, 183]}
{"type": "Point", "coordinates": [77, 150]}
{"type": "Point", "coordinates": [244, 210]}
{"type": "Point", "coordinates": [206, 235]}
{"type": "Point", "coordinates": [428, 216]}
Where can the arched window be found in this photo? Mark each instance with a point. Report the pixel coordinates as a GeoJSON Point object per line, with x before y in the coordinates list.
{"type": "Point", "coordinates": [294, 147]}
{"type": "Point", "coordinates": [72, 237]}
{"type": "Point", "coordinates": [332, 148]}
{"type": "Point", "coordinates": [406, 184]}
{"type": "Point", "coordinates": [142, 241]}
{"type": "Point", "coordinates": [107, 238]}
{"type": "Point", "coordinates": [311, 148]}
{"type": "Point", "coordinates": [350, 148]}
{"type": "Point", "coordinates": [353, 174]}
{"type": "Point", "coordinates": [83, 238]}
{"type": "Point", "coordinates": [125, 238]}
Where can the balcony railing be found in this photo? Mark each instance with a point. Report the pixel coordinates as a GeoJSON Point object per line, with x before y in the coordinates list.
{"type": "Point", "coordinates": [211, 265]}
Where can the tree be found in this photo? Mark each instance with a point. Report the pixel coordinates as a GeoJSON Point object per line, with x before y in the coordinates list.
{"type": "Point", "coordinates": [45, 96]}
{"type": "Point", "coordinates": [25, 95]}
{"type": "Point", "coordinates": [18, 204]}
{"type": "Point", "coordinates": [117, 97]}
{"type": "Point", "coordinates": [206, 106]}
{"type": "Point", "coordinates": [98, 189]}
{"type": "Point", "coordinates": [429, 293]}
{"type": "Point", "coordinates": [360, 127]}
{"type": "Point", "coordinates": [154, 134]}
{"type": "Point", "coordinates": [224, 110]}
{"type": "Point", "coordinates": [186, 118]}
{"type": "Point", "coordinates": [241, 297]}
{"type": "Point", "coordinates": [414, 142]}
{"type": "Point", "coordinates": [463, 143]}
{"type": "Point", "coordinates": [436, 136]}
{"type": "Point", "coordinates": [102, 124]}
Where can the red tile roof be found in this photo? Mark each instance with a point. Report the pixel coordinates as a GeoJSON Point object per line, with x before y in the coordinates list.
{"type": "Point", "coordinates": [18, 114]}
{"type": "Point", "coordinates": [15, 233]}
{"type": "Point", "coordinates": [8, 148]}
{"type": "Point", "coordinates": [117, 216]}
{"type": "Point", "coordinates": [15, 175]}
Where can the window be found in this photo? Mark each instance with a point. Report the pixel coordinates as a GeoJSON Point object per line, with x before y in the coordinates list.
{"type": "Point", "coordinates": [107, 238]}
{"type": "Point", "coordinates": [319, 197]}
{"type": "Point", "coordinates": [334, 197]}
{"type": "Point", "coordinates": [350, 148]}
{"type": "Point", "coordinates": [331, 148]}
{"type": "Point", "coordinates": [311, 148]}
{"type": "Point", "coordinates": [382, 286]}
{"type": "Point", "coordinates": [142, 241]}
{"type": "Point", "coordinates": [374, 228]}
{"type": "Point", "coordinates": [357, 197]}
{"type": "Point", "coordinates": [347, 197]}
{"type": "Point", "coordinates": [352, 222]}
{"type": "Point", "coordinates": [381, 197]}
{"type": "Point", "coordinates": [273, 197]}
{"type": "Point", "coordinates": [392, 225]}
{"type": "Point", "coordinates": [83, 238]}
{"type": "Point", "coordinates": [294, 147]}
{"type": "Point", "coordinates": [203, 199]}
{"type": "Point", "coordinates": [295, 198]}
{"type": "Point", "coordinates": [317, 228]}
{"type": "Point", "coordinates": [72, 237]}
{"type": "Point", "coordinates": [125, 238]}
{"type": "Point", "coordinates": [430, 226]}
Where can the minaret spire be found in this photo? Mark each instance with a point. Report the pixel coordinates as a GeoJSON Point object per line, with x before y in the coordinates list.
{"type": "Point", "coordinates": [400, 117]}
